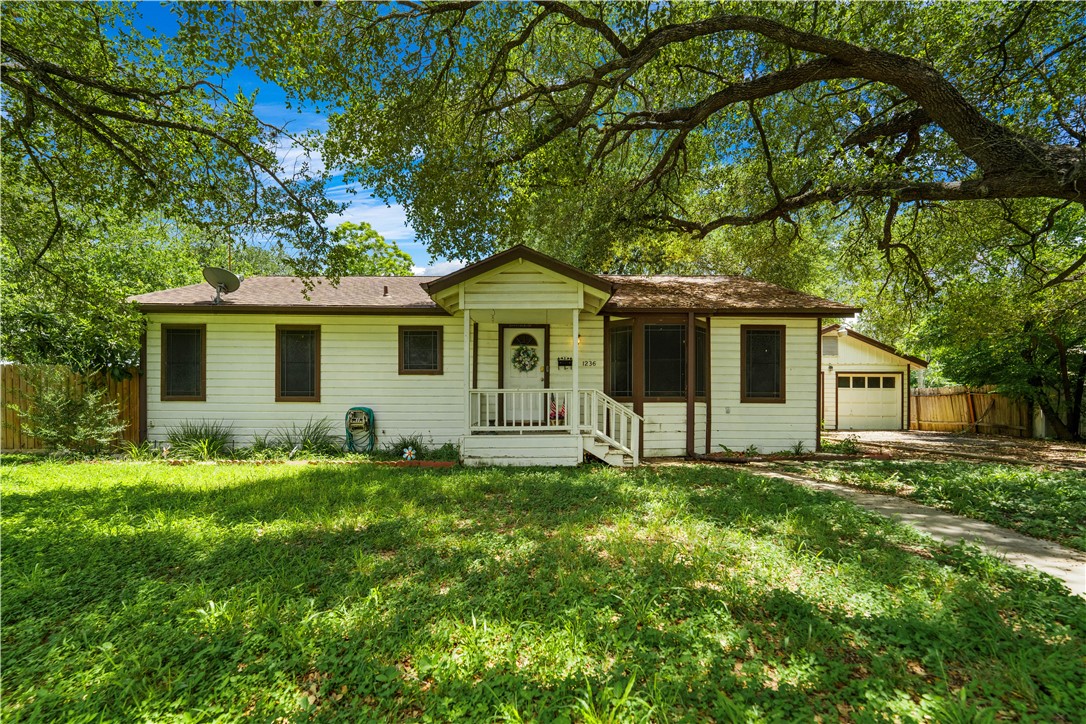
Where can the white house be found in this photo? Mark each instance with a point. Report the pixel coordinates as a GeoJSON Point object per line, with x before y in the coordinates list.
{"type": "Point", "coordinates": [518, 359]}
{"type": "Point", "coordinates": [865, 382]}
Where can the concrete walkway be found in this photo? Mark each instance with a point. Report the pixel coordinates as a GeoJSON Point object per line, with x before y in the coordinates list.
{"type": "Point", "coordinates": [1066, 564]}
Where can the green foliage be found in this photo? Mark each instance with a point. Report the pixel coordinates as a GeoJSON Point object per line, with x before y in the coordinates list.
{"type": "Point", "coordinates": [449, 452]}
{"type": "Point", "coordinates": [799, 448]}
{"type": "Point", "coordinates": [376, 593]}
{"type": "Point", "coordinates": [142, 452]}
{"type": "Point", "coordinates": [396, 447]}
{"type": "Point", "coordinates": [607, 132]}
{"type": "Point", "coordinates": [201, 439]}
{"type": "Point", "coordinates": [850, 445]}
{"type": "Point", "coordinates": [69, 417]}
{"type": "Point", "coordinates": [314, 438]}
{"type": "Point", "coordinates": [1043, 503]}
{"type": "Point", "coordinates": [69, 306]}
{"type": "Point", "coordinates": [358, 250]}
{"type": "Point", "coordinates": [155, 130]}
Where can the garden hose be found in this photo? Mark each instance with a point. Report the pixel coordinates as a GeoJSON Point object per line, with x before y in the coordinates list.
{"type": "Point", "coordinates": [361, 432]}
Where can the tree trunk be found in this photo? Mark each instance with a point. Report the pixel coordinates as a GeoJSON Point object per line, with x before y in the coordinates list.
{"type": "Point", "coordinates": [1058, 425]}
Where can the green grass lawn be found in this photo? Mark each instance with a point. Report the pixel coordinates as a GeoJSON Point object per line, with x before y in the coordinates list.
{"type": "Point", "coordinates": [1043, 503]}
{"type": "Point", "coordinates": [353, 593]}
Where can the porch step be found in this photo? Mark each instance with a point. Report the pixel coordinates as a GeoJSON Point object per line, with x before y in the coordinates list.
{"type": "Point", "coordinates": [602, 450]}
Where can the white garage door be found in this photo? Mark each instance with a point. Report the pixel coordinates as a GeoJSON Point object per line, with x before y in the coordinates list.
{"type": "Point", "coordinates": [868, 402]}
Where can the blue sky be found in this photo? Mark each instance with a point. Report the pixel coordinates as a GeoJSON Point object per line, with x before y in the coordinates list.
{"type": "Point", "coordinates": [388, 219]}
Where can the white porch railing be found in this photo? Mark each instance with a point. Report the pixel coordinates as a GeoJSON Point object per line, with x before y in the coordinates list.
{"type": "Point", "coordinates": [519, 410]}
{"type": "Point", "coordinates": [611, 422]}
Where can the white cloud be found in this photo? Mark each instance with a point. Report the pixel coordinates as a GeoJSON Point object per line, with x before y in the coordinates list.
{"type": "Point", "coordinates": [442, 268]}
{"type": "Point", "coordinates": [292, 156]}
{"type": "Point", "coordinates": [388, 221]}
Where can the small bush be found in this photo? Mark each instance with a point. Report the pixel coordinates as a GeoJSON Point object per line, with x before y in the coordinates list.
{"type": "Point", "coordinates": [141, 451]}
{"type": "Point", "coordinates": [69, 419]}
{"type": "Point", "coordinates": [799, 448]}
{"type": "Point", "coordinates": [849, 446]}
{"type": "Point", "coordinates": [396, 447]}
{"type": "Point", "coordinates": [315, 437]}
{"type": "Point", "coordinates": [448, 452]}
{"type": "Point", "coordinates": [201, 440]}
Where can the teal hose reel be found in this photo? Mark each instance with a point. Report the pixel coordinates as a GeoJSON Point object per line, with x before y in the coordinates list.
{"type": "Point", "coordinates": [361, 432]}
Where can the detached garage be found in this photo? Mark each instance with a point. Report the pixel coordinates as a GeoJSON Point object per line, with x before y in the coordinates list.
{"type": "Point", "coordinates": [865, 382]}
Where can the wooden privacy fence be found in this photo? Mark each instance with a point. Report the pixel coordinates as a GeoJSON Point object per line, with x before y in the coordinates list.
{"type": "Point", "coordinates": [969, 409]}
{"type": "Point", "coordinates": [16, 385]}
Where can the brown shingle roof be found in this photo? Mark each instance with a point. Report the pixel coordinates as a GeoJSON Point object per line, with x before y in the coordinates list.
{"type": "Point", "coordinates": [719, 294]}
{"type": "Point", "coordinates": [352, 295]}
{"type": "Point", "coordinates": [366, 295]}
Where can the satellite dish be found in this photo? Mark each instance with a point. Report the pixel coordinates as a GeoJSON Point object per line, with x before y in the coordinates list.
{"type": "Point", "coordinates": [222, 280]}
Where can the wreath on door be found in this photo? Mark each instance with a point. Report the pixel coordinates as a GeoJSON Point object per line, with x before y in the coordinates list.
{"type": "Point", "coordinates": [525, 358]}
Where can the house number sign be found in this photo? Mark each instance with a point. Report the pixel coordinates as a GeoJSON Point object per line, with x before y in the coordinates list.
{"type": "Point", "coordinates": [588, 363]}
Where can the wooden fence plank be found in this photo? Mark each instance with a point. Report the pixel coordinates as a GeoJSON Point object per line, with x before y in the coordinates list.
{"type": "Point", "coordinates": [15, 387]}
{"type": "Point", "coordinates": [960, 409]}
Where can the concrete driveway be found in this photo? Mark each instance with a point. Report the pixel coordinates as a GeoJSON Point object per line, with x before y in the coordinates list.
{"type": "Point", "coordinates": [914, 443]}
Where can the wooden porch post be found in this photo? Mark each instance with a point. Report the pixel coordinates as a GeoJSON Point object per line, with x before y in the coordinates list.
{"type": "Point", "coordinates": [573, 410]}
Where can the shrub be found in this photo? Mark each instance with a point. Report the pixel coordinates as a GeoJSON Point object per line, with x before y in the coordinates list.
{"type": "Point", "coordinates": [849, 446]}
{"type": "Point", "coordinates": [397, 446]}
{"type": "Point", "coordinates": [69, 418]}
{"type": "Point", "coordinates": [201, 440]}
{"type": "Point", "coordinates": [315, 437]}
{"type": "Point", "coordinates": [141, 451]}
{"type": "Point", "coordinates": [448, 452]}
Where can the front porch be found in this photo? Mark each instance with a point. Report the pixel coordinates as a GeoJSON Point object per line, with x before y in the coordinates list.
{"type": "Point", "coordinates": [506, 426]}
{"type": "Point", "coordinates": [531, 393]}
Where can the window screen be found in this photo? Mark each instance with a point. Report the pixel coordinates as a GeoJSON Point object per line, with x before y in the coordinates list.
{"type": "Point", "coordinates": [763, 369]}
{"type": "Point", "coordinates": [621, 361]}
{"type": "Point", "coordinates": [420, 350]}
{"type": "Point", "coordinates": [665, 360]}
{"type": "Point", "coordinates": [829, 346]}
{"type": "Point", "coordinates": [183, 371]}
{"type": "Point", "coordinates": [298, 364]}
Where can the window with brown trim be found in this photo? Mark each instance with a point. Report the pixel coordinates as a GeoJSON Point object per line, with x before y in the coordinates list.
{"type": "Point", "coordinates": [761, 363]}
{"type": "Point", "coordinates": [662, 345]}
{"type": "Point", "coordinates": [421, 350]}
{"type": "Point", "coordinates": [297, 363]}
{"type": "Point", "coordinates": [620, 360]}
{"type": "Point", "coordinates": [184, 369]}
{"type": "Point", "coordinates": [665, 360]}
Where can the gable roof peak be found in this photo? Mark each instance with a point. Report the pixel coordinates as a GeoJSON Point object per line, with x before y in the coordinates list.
{"type": "Point", "coordinates": [513, 253]}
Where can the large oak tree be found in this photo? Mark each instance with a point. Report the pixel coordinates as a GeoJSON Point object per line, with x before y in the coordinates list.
{"type": "Point", "coordinates": [590, 128]}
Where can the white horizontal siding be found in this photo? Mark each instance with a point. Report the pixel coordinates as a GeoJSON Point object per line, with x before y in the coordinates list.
{"type": "Point", "coordinates": [359, 367]}
{"type": "Point", "coordinates": [699, 427]}
{"type": "Point", "coordinates": [519, 450]}
{"type": "Point", "coordinates": [522, 286]}
{"type": "Point", "coordinates": [772, 427]}
{"type": "Point", "coordinates": [665, 429]}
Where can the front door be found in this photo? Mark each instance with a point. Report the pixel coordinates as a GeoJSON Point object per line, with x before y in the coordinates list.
{"type": "Point", "coordinates": [524, 369]}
